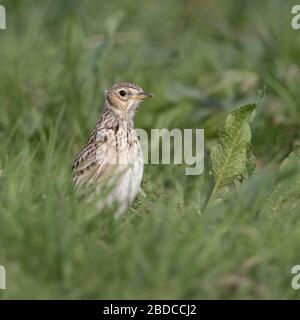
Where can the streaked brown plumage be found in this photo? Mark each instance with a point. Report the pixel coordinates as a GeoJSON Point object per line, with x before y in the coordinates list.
{"type": "Point", "coordinates": [113, 152]}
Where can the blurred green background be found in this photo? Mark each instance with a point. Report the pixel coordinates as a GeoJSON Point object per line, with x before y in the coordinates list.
{"type": "Point", "coordinates": [202, 59]}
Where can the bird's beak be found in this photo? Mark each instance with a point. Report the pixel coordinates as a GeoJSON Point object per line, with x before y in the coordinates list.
{"type": "Point", "coordinates": [143, 95]}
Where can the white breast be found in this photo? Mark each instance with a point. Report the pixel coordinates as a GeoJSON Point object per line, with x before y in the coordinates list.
{"type": "Point", "coordinates": [129, 171]}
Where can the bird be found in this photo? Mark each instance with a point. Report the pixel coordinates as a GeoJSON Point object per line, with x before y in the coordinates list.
{"type": "Point", "coordinates": [112, 159]}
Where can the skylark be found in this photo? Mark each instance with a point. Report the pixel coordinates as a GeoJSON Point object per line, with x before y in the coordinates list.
{"type": "Point", "coordinates": [113, 155]}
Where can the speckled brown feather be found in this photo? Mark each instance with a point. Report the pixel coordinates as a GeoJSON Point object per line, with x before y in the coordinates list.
{"type": "Point", "coordinates": [113, 137]}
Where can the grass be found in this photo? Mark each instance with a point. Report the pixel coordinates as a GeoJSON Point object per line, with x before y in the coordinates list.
{"type": "Point", "coordinates": [202, 59]}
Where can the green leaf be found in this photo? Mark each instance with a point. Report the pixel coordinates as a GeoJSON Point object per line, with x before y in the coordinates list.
{"type": "Point", "coordinates": [292, 161]}
{"type": "Point", "coordinates": [285, 196]}
{"type": "Point", "coordinates": [231, 159]}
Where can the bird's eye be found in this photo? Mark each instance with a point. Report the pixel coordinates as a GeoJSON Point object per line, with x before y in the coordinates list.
{"type": "Point", "coordinates": [122, 93]}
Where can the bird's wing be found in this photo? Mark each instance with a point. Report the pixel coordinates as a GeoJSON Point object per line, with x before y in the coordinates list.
{"type": "Point", "coordinates": [93, 163]}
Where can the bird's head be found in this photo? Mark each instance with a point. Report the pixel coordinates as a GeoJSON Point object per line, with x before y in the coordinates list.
{"type": "Point", "coordinates": [125, 97]}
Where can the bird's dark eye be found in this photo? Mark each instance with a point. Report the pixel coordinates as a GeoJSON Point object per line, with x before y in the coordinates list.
{"type": "Point", "coordinates": [122, 93]}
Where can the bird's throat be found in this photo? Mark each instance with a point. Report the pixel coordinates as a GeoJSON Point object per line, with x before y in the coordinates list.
{"type": "Point", "coordinates": [114, 116]}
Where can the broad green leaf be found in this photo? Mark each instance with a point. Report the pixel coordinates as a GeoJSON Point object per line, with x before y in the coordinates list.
{"type": "Point", "coordinates": [285, 196]}
{"type": "Point", "coordinates": [292, 161]}
{"type": "Point", "coordinates": [231, 158]}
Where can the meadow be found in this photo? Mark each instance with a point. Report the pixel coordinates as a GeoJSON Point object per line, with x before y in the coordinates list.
{"type": "Point", "coordinates": [232, 232]}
